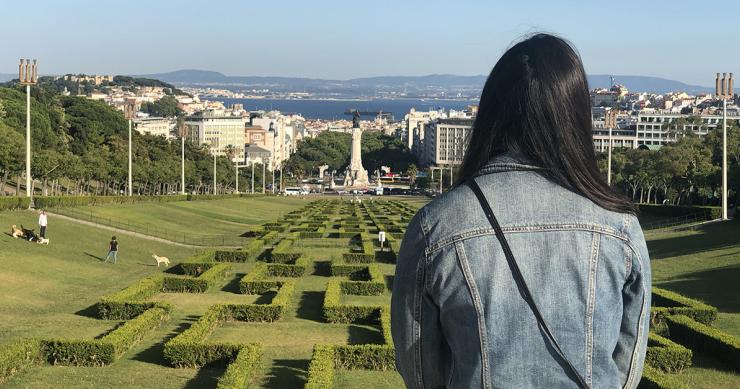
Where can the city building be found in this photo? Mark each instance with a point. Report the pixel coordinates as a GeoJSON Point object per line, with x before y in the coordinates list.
{"type": "Point", "coordinates": [257, 154]}
{"type": "Point", "coordinates": [445, 141]}
{"type": "Point", "coordinates": [156, 126]}
{"type": "Point", "coordinates": [255, 135]}
{"type": "Point", "coordinates": [217, 130]}
{"type": "Point", "coordinates": [656, 128]}
{"type": "Point", "coordinates": [415, 122]}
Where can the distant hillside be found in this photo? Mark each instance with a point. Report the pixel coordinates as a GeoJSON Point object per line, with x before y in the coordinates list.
{"type": "Point", "coordinates": [5, 77]}
{"type": "Point", "coordinates": [205, 77]}
{"type": "Point", "coordinates": [645, 84]}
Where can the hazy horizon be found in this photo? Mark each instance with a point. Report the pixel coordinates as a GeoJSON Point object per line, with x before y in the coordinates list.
{"type": "Point", "coordinates": [330, 40]}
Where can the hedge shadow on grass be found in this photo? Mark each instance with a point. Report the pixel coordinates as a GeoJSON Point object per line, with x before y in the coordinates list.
{"type": "Point", "coordinates": [389, 281]}
{"type": "Point", "coordinates": [310, 306]}
{"type": "Point", "coordinates": [154, 354]}
{"type": "Point", "coordinates": [233, 285]}
{"type": "Point", "coordinates": [713, 286]}
{"type": "Point", "coordinates": [322, 268]}
{"type": "Point", "coordinates": [91, 311]}
{"type": "Point", "coordinates": [207, 377]}
{"type": "Point", "coordinates": [287, 373]}
{"type": "Point", "coordinates": [363, 334]}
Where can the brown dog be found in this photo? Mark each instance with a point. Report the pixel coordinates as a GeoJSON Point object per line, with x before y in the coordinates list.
{"type": "Point", "coordinates": [15, 231]}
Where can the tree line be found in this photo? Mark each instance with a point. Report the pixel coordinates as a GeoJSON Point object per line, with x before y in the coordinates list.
{"type": "Point", "coordinates": [80, 146]}
{"type": "Point", "coordinates": [685, 172]}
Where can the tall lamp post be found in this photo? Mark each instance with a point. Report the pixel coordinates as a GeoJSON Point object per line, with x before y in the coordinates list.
{"type": "Point", "coordinates": [609, 161]}
{"type": "Point", "coordinates": [724, 90]}
{"type": "Point", "coordinates": [214, 171]}
{"type": "Point", "coordinates": [28, 75]}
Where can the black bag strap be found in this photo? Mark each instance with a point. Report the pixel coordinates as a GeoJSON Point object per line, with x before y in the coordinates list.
{"type": "Point", "coordinates": [520, 281]}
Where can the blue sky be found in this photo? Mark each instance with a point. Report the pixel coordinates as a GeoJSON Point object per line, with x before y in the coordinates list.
{"type": "Point", "coordinates": [345, 39]}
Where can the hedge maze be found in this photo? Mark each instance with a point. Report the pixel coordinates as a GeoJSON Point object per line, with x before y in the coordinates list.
{"type": "Point", "coordinates": [335, 242]}
{"type": "Point", "coordinates": [315, 273]}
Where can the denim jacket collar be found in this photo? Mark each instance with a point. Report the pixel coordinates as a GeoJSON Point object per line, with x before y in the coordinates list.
{"type": "Point", "coordinates": [507, 162]}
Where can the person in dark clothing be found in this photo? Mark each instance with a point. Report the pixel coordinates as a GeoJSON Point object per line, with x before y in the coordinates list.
{"type": "Point", "coordinates": [112, 250]}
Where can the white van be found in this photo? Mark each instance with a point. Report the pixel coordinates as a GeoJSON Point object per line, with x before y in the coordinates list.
{"type": "Point", "coordinates": [292, 191]}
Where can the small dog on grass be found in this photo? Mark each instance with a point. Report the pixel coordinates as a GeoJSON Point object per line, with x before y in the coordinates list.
{"type": "Point", "coordinates": [159, 260]}
{"type": "Point", "coordinates": [43, 241]}
{"type": "Point", "coordinates": [15, 231]}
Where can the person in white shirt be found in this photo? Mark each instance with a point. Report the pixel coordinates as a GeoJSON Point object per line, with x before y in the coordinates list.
{"type": "Point", "coordinates": [43, 221]}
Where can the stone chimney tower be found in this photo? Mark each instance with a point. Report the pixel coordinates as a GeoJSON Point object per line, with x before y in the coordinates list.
{"type": "Point", "coordinates": [731, 87]}
{"type": "Point", "coordinates": [716, 86]}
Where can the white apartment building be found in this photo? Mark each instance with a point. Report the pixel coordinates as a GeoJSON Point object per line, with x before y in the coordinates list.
{"type": "Point", "coordinates": [445, 141]}
{"type": "Point", "coordinates": [621, 138]}
{"type": "Point", "coordinates": [656, 128]}
{"type": "Point", "coordinates": [155, 126]}
{"type": "Point", "coordinates": [415, 123]}
{"type": "Point", "coordinates": [218, 130]}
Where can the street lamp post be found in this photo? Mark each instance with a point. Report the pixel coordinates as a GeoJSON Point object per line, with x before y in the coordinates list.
{"type": "Point", "coordinates": [214, 172]}
{"type": "Point", "coordinates": [252, 187]}
{"type": "Point", "coordinates": [263, 177]}
{"type": "Point", "coordinates": [28, 75]}
{"type": "Point", "coordinates": [130, 191]}
{"type": "Point", "coordinates": [182, 164]}
{"type": "Point", "coordinates": [724, 158]}
{"type": "Point", "coordinates": [609, 161]}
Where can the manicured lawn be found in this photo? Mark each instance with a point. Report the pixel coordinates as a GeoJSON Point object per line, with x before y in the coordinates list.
{"type": "Point", "coordinates": [703, 264]}
{"type": "Point", "coordinates": [48, 291]}
{"type": "Point", "coordinates": [230, 217]}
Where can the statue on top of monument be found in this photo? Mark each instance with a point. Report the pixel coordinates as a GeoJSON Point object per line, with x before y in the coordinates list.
{"type": "Point", "coordinates": [355, 118]}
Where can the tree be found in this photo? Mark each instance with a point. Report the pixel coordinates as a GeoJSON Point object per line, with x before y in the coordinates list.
{"type": "Point", "coordinates": [411, 172]}
{"type": "Point", "coordinates": [11, 154]}
{"type": "Point", "coordinates": [164, 107]}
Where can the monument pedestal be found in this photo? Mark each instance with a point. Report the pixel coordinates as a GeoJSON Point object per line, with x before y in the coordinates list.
{"type": "Point", "coordinates": [356, 176]}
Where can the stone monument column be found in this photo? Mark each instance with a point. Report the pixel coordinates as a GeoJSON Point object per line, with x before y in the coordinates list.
{"type": "Point", "coordinates": [356, 176]}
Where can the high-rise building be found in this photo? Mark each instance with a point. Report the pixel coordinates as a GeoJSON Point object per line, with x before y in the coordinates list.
{"type": "Point", "coordinates": [445, 141]}
{"type": "Point", "coordinates": [218, 130]}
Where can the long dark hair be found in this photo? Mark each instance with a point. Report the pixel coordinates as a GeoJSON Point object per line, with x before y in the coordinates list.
{"type": "Point", "coordinates": [536, 103]}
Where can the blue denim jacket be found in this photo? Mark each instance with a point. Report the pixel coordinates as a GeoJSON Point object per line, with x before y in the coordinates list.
{"type": "Point", "coordinates": [458, 319]}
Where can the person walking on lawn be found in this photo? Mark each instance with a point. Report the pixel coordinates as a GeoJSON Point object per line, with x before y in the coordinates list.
{"type": "Point", "coordinates": [112, 250]}
{"type": "Point", "coordinates": [43, 222]}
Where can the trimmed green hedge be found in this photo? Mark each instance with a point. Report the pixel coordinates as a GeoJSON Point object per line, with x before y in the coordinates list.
{"type": "Point", "coordinates": [653, 378]}
{"type": "Point", "coordinates": [247, 363]}
{"type": "Point", "coordinates": [12, 203]}
{"type": "Point", "coordinates": [705, 339]}
{"type": "Point", "coordinates": [231, 256]}
{"type": "Point", "coordinates": [365, 356]}
{"type": "Point", "coordinates": [189, 350]}
{"type": "Point", "coordinates": [296, 269]}
{"type": "Point", "coordinates": [198, 284]}
{"type": "Point", "coordinates": [667, 303]}
{"type": "Point", "coordinates": [104, 351]}
{"type": "Point", "coordinates": [666, 355]}
{"type": "Point", "coordinates": [76, 201]}
{"type": "Point", "coordinates": [254, 282]}
{"type": "Point", "coordinates": [262, 312]}
{"type": "Point", "coordinates": [17, 356]}
{"type": "Point", "coordinates": [129, 302]}
{"type": "Point", "coordinates": [367, 254]}
{"type": "Point", "coordinates": [282, 253]}
{"type": "Point", "coordinates": [681, 210]}
{"type": "Point", "coordinates": [335, 312]}
{"type": "Point", "coordinates": [321, 368]}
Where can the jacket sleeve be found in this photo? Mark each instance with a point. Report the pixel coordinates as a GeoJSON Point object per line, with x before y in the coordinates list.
{"type": "Point", "coordinates": [629, 353]}
{"type": "Point", "coordinates": [409, 304]}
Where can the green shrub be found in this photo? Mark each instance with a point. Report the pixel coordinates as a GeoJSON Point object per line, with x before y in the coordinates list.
{"type": "Point", "coordinates": [321, 368]}
{"type": "Point", "coordinates": [365, 356]}
{"type": "Point", "coordinates": [666, 355]}
{"type": "Point", "coordinates": [254, 282]}
{"type": "Point", "coordinates": [385, 325]}
{"type": "Point", "coordinates": [231, 256]}
{"type": "Point", "coordinates": [132, 331]}
{"type": "Point", "coordinates": [194, 269]}
{"type": "Point", "coordinates": [17, 356]}
{"type": "Point", "coordinates": [680, 210]}
{"type": "Point", "coordinates": [262, 312]}
{"type": "Point", "coordinates": [13, 203]}
{"type": "Point", "coordinates": [199, 284]}
{"type": "Point", "coordinates": [189, 350]}
{"type": "Point", "coordinates": [104, 351]}
{"type": "Point", "coordinates": [653, 378]}
{"type": "Point", "coordinates": [296, 269]}
{"type": "Point", "coordinates": [667, 303]}
{"type": "Point", "coordinates": [706, 340]}
{"type": "Point", "coordinates": [78, 352]}
{"type": "Point", "coordinates": [46, 202]}
{"type": "Point", "coordinates": [129, 302]}
{"type": "Point", "coordinates": [335, 312]}
{"type": "Point", "coordinates": [270, 238]}
{"type": "Point", "coordinates": [282, 253]}
{"type": "Point", "coordinates": [247, 363]}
